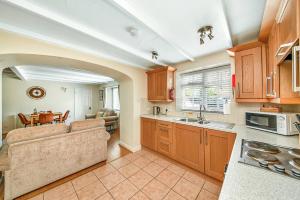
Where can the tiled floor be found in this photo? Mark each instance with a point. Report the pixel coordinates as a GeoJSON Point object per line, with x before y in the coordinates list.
{"type": "Point", "coordinates": [141, 175]}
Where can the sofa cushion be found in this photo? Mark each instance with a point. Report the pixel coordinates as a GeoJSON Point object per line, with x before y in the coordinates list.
{"type": "Point", "coordinates": [99, 114]}
{"type": "Point", "coordinates": [86, 124]}
{"type": "Point", "coordinates": [30, 133]}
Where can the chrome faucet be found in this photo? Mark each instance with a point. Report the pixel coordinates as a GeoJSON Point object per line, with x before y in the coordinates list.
{"type": "Point", "coordinates": [201, 116]}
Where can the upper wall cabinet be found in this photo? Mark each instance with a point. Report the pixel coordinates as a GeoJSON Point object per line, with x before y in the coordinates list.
{"type": "Point", "coordinates": [250, 70]}
{"type": "Point", "coordinates": [288, 23]}
{"type": "Point", "coordinates": [160, 83]}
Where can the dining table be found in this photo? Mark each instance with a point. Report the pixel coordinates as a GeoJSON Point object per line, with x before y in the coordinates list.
{"type": "Point", "coordinates": [35, 116]}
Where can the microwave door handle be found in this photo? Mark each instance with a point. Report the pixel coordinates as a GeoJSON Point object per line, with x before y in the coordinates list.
{"type": "Point", "coordinates": [253, 122]}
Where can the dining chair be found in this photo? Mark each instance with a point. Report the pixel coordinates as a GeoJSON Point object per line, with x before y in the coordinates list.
{"type": "Point", "coordinates": [64, 118]}
{"type": "Point", "coordinates": [25, 121]}
{"type": "Point", "coordinates": [46, 118]}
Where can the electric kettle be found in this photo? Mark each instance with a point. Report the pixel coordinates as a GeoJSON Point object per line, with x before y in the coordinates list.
{"type": "Point", "coordinates": [156, 110]}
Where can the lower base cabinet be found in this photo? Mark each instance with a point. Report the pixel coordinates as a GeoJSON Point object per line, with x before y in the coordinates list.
{"type": "Point", "coordinates": [188, 146]}
{"type": "Point", "coordinates": [218, 147]}
{"type": "Point", "coordinates": [205, 150]}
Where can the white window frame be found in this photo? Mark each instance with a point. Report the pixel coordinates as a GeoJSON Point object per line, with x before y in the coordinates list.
{"type": "Point", "coordinates": [112, 97]}
{"type": "Point", "coordinates": [179, 97]}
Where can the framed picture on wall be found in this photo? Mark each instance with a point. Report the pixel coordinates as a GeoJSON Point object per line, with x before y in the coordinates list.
{"type": "Point", "coordinates": [101, 95]}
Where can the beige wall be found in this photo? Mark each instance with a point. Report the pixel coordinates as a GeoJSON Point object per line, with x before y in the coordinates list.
{"type": "Point", "coordinates": [16, 101]}
{"type": "Point", "coordinates": [16, 49]}
{"type": "Point", "coordinates": [213, 60]}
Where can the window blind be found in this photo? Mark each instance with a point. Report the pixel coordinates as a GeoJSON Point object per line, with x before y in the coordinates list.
{"type": "Point", "coordinates": [209, 87]}
{"type": "Point", "coordinates": [112, 98]}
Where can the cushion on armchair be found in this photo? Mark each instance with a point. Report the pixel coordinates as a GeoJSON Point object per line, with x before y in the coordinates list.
{"type": "Point", "coordinates": [86, 124]}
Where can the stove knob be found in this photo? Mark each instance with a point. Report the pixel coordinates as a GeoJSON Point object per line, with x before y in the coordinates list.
{"type": "Point", "coordinates": [279, 168]}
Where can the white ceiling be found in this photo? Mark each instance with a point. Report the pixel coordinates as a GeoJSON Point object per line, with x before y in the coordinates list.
{"type": "Point", "coordinates": [169, 26]}
{"type": "Point", "coordinates": [58, 74]}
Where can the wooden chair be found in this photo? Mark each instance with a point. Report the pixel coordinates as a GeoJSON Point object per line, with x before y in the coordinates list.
{"type": "Point", "coordinates": [46, 118]}
{"type": "Point", "coordinates": [25, 121]}
{"type": "Point", "coordinates": [64, 118]}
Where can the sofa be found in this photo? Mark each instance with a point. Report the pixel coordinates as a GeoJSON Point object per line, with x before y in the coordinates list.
{"type": "Point", "coordinates": [110, 117]}
{"type": "Point", "coordinates": [36, 156]}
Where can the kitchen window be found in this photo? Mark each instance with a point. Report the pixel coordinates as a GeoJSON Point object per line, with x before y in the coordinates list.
{"type": "Point", "coordinates": [208, 87]}
{"type": "Point", "coordinates": [112, 98]}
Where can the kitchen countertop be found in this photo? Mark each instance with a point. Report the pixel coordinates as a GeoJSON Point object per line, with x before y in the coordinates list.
{"type": "Point", "coordinates": [244, 182]}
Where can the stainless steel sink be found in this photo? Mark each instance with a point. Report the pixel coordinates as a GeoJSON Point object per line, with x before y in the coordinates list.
{"type": "Point", "coordinates": [188, 120]}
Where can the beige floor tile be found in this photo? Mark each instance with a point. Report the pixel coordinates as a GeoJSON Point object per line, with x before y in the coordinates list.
{"type": "Point", "coordinates": [84, 180]}
{"type": "Point", "coordinates": [132, 157]}
{"type": "Point", "coordinates": [211, 187]}
{"type": "Point", "coordinates": [162, 162]}
{"type": "Point", "coordinates": [173, 196]}
{"type": "Point", "coordinates": [150, 156]}
{"type": "Point", "coordinates": [71, 197]}
{"type": "Point", "coordinates": [141, 162]}
{"type": "Point", "coordinates": [104, 170]}
{"type": "Point", "coordinates": [91, 191]}
{"type": "Point", "coordinates": [120, 162]}
{"type": "Point", "coordinates": [168, 178]}
{"type": "Point", "coordinates": [129, 170]}
{"type": "Point", "coordinates": [140, 179]}
{"type": "Point", "coordinates": [194, 178]}
{"type": "Point", "coordinates": [106, 196]}
{"type": "Point", "coordinates": [112, 179]}
{"type": "Point", "coordinates": [38, 197]}
{"type": "Point", "coordinates": [187, 189]}
{"type": "Point", "coordinates": [139, 196]}
{"type": "Point", "coordinates": [177, 169]}
{"type": "Point", "coordinates": [59, 192]}
{"type": "Point", "coordinates": [153, 169]}
{"type": "Point", "coordinates": [205, 195]}
{"type": "Point", "coordinates": [155, 190]}
{"type": "Point", "coordinates": [123, 191]}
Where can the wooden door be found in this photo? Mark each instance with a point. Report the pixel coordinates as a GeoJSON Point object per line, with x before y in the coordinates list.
{"type": "Point", "coordinates": [272, 80]}
{"type": "Point", "coordinates": [148, 133]}
{"type": "Point", "coordinates": [161, 85]}
{"type": "Point", "coordinates": [218, 147]}
{"type": "Point", "coordinates": [151, 86]}
{"type": "Point", "coordinates": [189, 146]}
{"type": "Point", "coordinates": [249, 70]}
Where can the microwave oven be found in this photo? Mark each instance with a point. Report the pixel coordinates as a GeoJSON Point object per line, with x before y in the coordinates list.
{"type": "Point", "coordinates": [279, 123]}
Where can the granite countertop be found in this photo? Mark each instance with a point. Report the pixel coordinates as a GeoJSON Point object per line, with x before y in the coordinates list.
{"type": "Point", "coordinates": [245, 182]}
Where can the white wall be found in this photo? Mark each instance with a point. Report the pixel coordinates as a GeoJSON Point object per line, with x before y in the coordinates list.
{"type": "Point", "coordinates": [16, 101]}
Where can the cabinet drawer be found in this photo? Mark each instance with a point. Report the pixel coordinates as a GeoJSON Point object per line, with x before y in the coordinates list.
{"type": "Point", "coordinates": [164, 124]}
{"type": "Point", "coordinates": [164, 147]}
{"type": "Point", "coordinates": [164, 133]}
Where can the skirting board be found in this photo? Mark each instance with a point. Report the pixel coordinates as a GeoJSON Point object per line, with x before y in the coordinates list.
{"type": "Point", "coordinates": [130, 148]}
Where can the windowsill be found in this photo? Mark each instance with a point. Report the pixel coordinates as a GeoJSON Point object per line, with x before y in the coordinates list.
{"type": "Point", "coordinates": [216, 112]}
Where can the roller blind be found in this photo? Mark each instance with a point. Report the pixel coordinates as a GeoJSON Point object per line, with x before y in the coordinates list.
{"type": "Point", "coordinates": [210, 87]}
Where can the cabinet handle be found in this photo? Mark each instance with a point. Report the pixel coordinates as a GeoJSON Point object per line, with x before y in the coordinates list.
{"type": "Point", "coordinates": [294, 69]}
{"type": "Point", "coordinates": [267, 86]}
{"type": "Point", "coordinates": [238, 89]}
{"type": "Point", "coordinates": [279, 53]}
{"type": "Point", "coordinates": [206, 142]}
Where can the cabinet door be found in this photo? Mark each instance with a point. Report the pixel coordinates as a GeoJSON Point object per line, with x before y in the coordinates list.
{"type": "Point", "coordinates": [148, 133]}
{"type": "Point", "coordinates": [161, 85]}
{"type": "Point", "coordinates": [218, 147]}
{"type": "Point", "coordinates": [287, 29]}
{"type": "Point", "coordinates": [249, 68]}
{"type": "Point", "coordinates": [189, 147]}
{"type": "Point", "coordinates": [272, 79]}
{"type": "Point", "coordinates": [164, 132]}
{"type": "Point", "coordinates": [151, 86]}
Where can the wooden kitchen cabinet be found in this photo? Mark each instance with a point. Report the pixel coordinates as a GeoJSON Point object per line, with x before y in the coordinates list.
{"type": "Point", "coordinates": [218, 147]}
{"type": "Point", "coordinates": [160, 82]}
{"type": "Point", "coordinates": [288, 28]}
{"type": "Point", "coordinates": [164, 132]}
{"type": "Point", "coordinates": [250, 70]}
{"type": "Point", "coordinates": [189, 146]}
{"type": "Point", "coordinates": [148, 133]}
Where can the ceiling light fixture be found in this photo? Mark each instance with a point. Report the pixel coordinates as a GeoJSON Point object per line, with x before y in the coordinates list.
{"type": "Point", "coordinates": [132, 31]}
{"type": "Point", "coordinates": [154, 55]}
{"type": "Point", "coordinates": [205, 31]}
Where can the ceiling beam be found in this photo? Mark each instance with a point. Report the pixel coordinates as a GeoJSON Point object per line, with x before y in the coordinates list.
{"type": "Point", "coordinates": [83, 29]}
{"type": "Point", "coordinates": [226, 25]}
{"type": "Point", "coordinates": [18, 73]}
{"type": "Point", "coordinates": [146, 21]}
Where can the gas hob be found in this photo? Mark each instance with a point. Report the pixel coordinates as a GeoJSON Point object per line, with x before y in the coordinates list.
{"type": "Point", "coordinates": [278, 159]}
